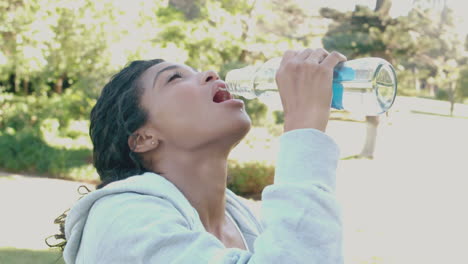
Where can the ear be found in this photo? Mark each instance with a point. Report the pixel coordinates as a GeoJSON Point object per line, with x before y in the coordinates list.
{"type": "Point", "coordinates": [143, 140]}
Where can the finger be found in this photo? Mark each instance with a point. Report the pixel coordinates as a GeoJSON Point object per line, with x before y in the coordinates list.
{"type": "Point", "coordinates": [304, 54]}
{"type": "Point", "coordinates": [288, 55]}
{"type": "Point", "coordinates": [333, 59]}
{"type": "Point", "coordinates": [317, 56]}
{"type": "Point", "coordinates": [321, 54]}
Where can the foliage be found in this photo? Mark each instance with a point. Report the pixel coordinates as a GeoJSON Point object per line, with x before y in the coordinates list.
{"type": "Point", "coordinates": [46, 135]}
{"type": "Point", "coordinates": [54, 45]}
{"type": "Point", "coordinates": [26, 152]}
{"type": "Point", "coordinates": [357, 33]}
{"type": "Point", "coordinates": [279, 117]}
{"type": "Point", "coordinates": [48, 46]}
{"type": "Point", "coordinates": [257, 111]}
{"type": "Point", "coordinates": [51, 44]}
{"type": "Point", "coordinates": [22, 112]}
{"type": "Point", "coordinates": [442, 95]}
{"type": "Point", "coordinates": [424, 45]}
{"type": "Point", "coordinates": [462, 83]}
{"type": "Point", "coordinates": [249, 178]}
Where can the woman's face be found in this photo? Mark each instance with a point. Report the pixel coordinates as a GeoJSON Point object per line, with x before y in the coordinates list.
{"type": "Point", "coordinates": [187, 109]}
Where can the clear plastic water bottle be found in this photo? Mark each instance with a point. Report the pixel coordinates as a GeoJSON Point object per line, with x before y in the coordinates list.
{"type": "Point", "coordinates": [366, 86]}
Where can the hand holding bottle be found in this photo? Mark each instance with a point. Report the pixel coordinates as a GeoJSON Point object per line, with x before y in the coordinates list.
{"type": "Point", "coordinates": [365, 86]}
{"type": "Point", "coordinates": [304, 80]}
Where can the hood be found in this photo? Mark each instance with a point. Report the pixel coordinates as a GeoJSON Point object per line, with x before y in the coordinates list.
{"type": "Point", "coordinates": [146, 184]}
{"type": "Point", "coordinates": [154, 185]}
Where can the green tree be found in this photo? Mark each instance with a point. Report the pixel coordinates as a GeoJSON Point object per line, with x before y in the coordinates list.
{"type": "Point", "coordinates": [52, 42]}
{"type": "Point", "coordinates": [441, 53]}
{"type": "Point", "coordinates": [21, 45]}
{"type": "Point", "coordinates": [78, 44]}
{"type": "Point", "coordinates": [462, 83]}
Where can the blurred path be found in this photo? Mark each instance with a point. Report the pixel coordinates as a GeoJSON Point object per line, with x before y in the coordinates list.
{"type": "Point", "coordinates": [409, 204]}
{"type": "Point", "coordinates": [29, 206]}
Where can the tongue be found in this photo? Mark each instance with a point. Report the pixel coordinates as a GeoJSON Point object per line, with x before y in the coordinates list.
{"type": "Point", "coordinates": [221, 96]}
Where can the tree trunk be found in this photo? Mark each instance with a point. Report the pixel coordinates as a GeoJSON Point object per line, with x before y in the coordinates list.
{"type": "Point", "coordinates": [243, 55]}
{"type": "Point", "coordinates": [383, 7]}
{"type": "Point", "coordinates": [452, 96]}
{"type": "Point", "coordinates": [371, 137]}
{"type": "Point", "coordinates": [26, 86]}
{"type": "Point", "coordinates": [432, 89]}
{"type": "Point", "coordinates": [59, 84]}
{"type": "Point", "coordinates": [417, 85]}
{"type": "Point", "coordinates": [17, 84]}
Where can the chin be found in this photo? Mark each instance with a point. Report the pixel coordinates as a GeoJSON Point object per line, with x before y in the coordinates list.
{"type": "Point", "coordinates": [241, 133]}
{"type": "Point", "coordinates": [239, 128]}
{"type": "Point", "coordinates": [245, 122]}
{"type": "Point", "coordinates": [246, 126]}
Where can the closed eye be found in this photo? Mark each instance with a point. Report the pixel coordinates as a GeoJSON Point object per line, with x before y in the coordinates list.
{"type": "Point", "coordinates": [174, 76]}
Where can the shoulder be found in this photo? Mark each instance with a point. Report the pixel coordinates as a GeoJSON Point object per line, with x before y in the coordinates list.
{"type": "Point", "coordinates": [129, 210]}
{"type": "Point", "coordinates": [124, 227]}
{"type": "Point", "coordinates": [143, 196]}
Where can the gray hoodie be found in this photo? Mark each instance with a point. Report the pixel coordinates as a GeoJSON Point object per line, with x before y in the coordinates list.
{"type": "Point", "coordinates": [146, 219]}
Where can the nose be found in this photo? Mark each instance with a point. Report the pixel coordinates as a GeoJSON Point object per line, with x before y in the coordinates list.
{"type": "Point", "coordinates": [209, 76]}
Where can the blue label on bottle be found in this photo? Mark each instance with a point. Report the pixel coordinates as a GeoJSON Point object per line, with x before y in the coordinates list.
{"type": "Point", "coordinates": [342, 74]}
{"type": "Point", "coordinates": [337, 99]}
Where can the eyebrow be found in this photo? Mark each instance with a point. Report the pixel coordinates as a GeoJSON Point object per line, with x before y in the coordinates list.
{"type": "Point", "coordinates": [163, 70]}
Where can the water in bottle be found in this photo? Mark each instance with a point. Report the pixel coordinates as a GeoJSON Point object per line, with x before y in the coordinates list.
{"type": "Point", "coordinates": [367, 86]}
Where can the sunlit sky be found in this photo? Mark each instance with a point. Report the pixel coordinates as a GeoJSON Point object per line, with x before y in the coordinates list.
{"type": "Point", "coordinates": [401, 7]}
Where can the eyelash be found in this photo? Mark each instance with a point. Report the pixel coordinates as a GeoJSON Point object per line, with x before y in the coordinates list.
{"type": "Point", "coordinates": [174, 76]}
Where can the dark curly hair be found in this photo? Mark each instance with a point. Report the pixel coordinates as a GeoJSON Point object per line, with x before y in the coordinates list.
{"type": "Point", "coordinates": [115, 117]}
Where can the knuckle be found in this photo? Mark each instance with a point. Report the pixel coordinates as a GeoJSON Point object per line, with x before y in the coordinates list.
{"type": "Point", "coordinates": [323, 51]}
{"type": "Point", "coordinates": [336, 54]}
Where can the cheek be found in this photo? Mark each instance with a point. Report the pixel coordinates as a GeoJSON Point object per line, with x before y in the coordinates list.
{"type": "Point", "coordinates": [180, 110]}
{"type": "Point", "coordinates": [186, 104]}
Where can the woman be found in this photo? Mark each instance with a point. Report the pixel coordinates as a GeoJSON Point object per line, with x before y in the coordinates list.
{"type": "Point", "coordinates": [162, 133]}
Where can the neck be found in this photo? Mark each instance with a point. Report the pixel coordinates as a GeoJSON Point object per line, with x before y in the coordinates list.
{"type": "Point", "coordinates": [201, 176]}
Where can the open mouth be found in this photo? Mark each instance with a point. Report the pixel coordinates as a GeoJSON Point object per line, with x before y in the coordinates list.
{"type": "Point", "coordinates": [221, 96]}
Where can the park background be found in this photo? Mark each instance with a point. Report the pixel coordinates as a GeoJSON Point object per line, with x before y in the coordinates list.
{"type": "Point", "coordinates": [402, 180]}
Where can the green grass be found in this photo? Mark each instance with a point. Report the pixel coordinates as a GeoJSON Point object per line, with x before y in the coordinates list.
{"type": "Point", "coordinates": [27, 256]}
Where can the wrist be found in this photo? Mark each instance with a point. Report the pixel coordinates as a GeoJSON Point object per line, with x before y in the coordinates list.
{"type": "Point", "coordinates": [318, 122]}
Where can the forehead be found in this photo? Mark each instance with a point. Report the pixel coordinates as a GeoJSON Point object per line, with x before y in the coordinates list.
{"type": "Point", "coordinates": [156, 68]}
{"type": "Point", "coordinates": [151, 72]}
{"type": "Point", "coordinates": [148, 76]}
